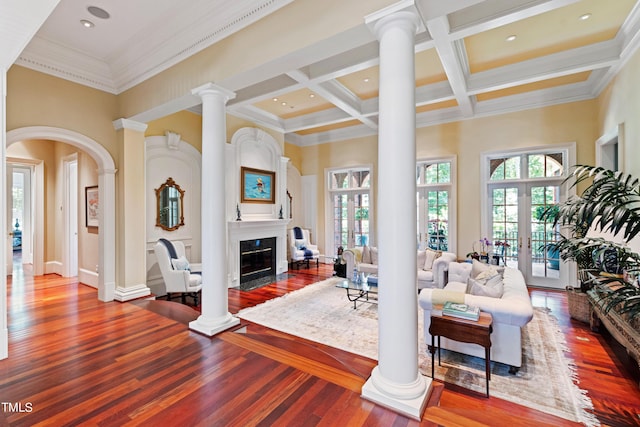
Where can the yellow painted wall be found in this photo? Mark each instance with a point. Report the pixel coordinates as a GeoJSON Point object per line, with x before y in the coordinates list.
{"type": "Point", "coordinates": [562, 124]}
{"type": "Point", "coordinates": [36, 99]}
{"type": "Point", "coordinates": [294, 153]}
{"type": "Point", "coordinates": [185, 123]}
{"type": "Point", "coordinates": [620, 103]}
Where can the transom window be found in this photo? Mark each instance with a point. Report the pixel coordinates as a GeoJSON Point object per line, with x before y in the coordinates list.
{"type": "Point", "coordinates": [523, 166]}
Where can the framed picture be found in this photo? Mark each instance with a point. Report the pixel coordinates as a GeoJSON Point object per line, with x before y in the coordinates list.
{"type": "Point", "coordinates": [257, 186]}
{"type": "Point", "coordinates": [92, 203]}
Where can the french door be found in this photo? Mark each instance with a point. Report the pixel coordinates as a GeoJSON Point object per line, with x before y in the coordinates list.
{"type": "Point", "coordinates": [519, 232]}
{"type": "Point", "coordinates": [351, 212]}
{"type": "Point", "coordinates": [433, 218]}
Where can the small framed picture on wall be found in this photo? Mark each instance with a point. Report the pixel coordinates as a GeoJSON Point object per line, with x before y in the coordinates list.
{"type": "Point", "coordinates": [92, 204]}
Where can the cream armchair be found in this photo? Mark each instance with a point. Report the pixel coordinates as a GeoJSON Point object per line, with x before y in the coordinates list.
{"type": "Point", "coordinates": [179, 275]}
{"type": "Point", "coordinates": [301, 250]}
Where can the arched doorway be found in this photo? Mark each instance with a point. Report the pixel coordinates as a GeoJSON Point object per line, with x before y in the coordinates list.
{"type": "Point", "coordinates": [106, 191]}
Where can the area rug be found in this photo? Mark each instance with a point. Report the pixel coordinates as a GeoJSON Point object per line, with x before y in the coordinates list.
{"type": "Point", "coordinates": [546, 381]}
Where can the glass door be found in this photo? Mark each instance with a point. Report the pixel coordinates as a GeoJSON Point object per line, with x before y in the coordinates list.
{"type": "Point", "coordinates": [350, 219]}
{"type": "Point", "coordinates": [519, 233]}
{"type": "Point", "coordinates": [433, 219]}
{"type": "Point", "coordinates": [350, 192]}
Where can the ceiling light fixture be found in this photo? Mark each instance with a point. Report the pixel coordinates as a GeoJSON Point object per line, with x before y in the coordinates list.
{"type": "Point", "coordinates": [366, 80]}
{"type": "Point", "coordinates": [275, 99]}
{"type": "Point", "coordinates": [511, 38]}
{"type": "Point", "coordinates": [312, 95]}
{"type": "Point", "coordinates": [98, 12]}
{"type": "Point", "coordinates": [284, 103]}
{"type": "Point", "coordinates": [585, 16]}
{"type": "Point", "coordinates": [87, 24]}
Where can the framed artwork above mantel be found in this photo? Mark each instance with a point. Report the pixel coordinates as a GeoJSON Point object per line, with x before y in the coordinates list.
{"type": "Point", "coordinates": [257, 185]}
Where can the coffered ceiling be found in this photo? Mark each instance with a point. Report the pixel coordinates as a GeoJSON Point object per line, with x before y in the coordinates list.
{"type": "Point", "coordinates": [475, 58]}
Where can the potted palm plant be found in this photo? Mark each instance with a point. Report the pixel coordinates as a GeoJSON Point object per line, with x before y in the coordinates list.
{"type": "Point", "coordinates": [610, 203]}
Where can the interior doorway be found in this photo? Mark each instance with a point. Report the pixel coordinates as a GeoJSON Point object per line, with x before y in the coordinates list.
{"type": "Point", "coordinates": [20, 218]}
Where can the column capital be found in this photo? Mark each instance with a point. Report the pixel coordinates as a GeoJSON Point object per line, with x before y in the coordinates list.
{"type": "Point", "coordinates": [404, 13]}
{"type": "Point", "coordinates": [213, 89]}
{"type": "Point", "coordinates": [129, 124]}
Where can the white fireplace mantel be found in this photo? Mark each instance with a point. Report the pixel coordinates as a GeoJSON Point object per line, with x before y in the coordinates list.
{"type": "Point", "coordinates": [256, 229]}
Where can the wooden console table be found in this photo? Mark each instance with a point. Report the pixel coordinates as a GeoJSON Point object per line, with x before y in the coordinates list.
{"type": "Point", "coordinates": [469, 331]}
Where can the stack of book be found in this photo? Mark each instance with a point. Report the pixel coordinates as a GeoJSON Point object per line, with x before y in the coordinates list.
{"type": "Point", "coordinates": [462, 311]}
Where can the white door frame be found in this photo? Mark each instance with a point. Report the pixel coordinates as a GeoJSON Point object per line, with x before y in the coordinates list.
{"type": "Point", "coordinates": [8, 241]}
{"type": "Point", "coordinates": [35, 235]}
{"type": "Point", "coordinates": [70, 214]}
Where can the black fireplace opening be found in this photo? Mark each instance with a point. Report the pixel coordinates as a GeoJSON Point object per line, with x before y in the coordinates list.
{"type": "Point", "coordinates": [257, 259]}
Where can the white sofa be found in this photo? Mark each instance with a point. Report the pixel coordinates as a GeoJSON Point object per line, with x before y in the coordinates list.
{"type": "Point", "coordinates": [510, 313]}
{"type": "Point", "coordinates": [365, 259]}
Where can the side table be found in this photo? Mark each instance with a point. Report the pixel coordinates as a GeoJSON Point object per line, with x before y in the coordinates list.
{"type": "Point", "coordinates": [463, 330]}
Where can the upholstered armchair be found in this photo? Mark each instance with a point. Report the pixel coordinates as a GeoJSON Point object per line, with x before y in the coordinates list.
{"type": "Point", "coordinates": [180, 276]}
{"type": "Point", "coordinates": [300, 247]}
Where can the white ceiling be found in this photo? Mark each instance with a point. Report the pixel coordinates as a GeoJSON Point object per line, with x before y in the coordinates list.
{"type": "Point", "coordinates": [464, 66]}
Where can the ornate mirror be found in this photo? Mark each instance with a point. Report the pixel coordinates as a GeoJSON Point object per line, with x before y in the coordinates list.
{"type": "Point", "coordinates": [169, 199]}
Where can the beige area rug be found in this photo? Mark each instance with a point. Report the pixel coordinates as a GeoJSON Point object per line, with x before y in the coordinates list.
{"type": "Point", "coordinates": [546, 381]}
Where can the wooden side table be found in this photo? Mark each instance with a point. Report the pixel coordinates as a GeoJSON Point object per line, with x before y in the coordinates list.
{"type": "Point", "coordinates": [463, 330]}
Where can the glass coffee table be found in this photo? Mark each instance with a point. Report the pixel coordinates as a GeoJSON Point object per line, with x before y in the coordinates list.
{"type": "Point", "coordinates": [361, 291]}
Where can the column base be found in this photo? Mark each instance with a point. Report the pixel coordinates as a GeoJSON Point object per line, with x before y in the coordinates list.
{"type": "Point", "coordinates": [210, 327]}
{"type": "Point", "coordinates": [376, 390]}
{"type": "Point", "coordinates": [131, 292]}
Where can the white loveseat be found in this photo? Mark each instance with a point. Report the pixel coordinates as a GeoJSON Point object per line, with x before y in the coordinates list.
{"type": "Point", "coordinates": [510, 313]}
{"type": "Point", "coordinates": [365, 259]}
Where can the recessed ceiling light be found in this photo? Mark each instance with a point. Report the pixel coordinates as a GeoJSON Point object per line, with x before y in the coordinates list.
{"type": "Point", "coordinates": [366, 80]}
{"type": "Point", "coordinates": [511, 38]}
{"type": "Point", "coordinates": [585, 16]}
{"type": "Point", "coordinates": [284, 103]}
{"type": "Point", "coordinates": [275, 99]}
{"type": "Point", "coordinates": [312, 95]}
{"type": "Point", "coordinates": [98, 12]}
{"type": "Point", "coordinates": [87, 24]}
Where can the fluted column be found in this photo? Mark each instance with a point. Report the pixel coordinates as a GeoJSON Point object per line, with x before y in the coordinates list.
{"type": "Point", "coordinates": [396, 382]}
{"type": "Point", "coordinates": [215, 316]}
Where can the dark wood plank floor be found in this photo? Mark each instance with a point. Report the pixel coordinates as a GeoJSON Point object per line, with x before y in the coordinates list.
{"type": "Point", "coordinates": [77, 361]}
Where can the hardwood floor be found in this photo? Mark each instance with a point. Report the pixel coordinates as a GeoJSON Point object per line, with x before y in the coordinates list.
{"type": "Point", "coordinates": [76, 361]}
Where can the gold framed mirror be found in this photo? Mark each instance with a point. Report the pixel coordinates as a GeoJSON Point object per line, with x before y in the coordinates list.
{"type": "Point", "coordinates": [170, 205]}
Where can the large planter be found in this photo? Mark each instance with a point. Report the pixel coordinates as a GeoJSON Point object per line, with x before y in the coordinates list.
{"type": "Point", "coordinates": [579, 306]}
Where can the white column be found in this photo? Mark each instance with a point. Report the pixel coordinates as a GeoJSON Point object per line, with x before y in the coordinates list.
{"type": "Point", "coordinates": [4, 331]}
{"type": "Point", "coordinates": [396, 382]}
{"type": "Point", "coordinates": [215, 316]}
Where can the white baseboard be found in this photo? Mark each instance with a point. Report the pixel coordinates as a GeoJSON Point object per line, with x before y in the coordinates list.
{"type": "Point", "coordinates": [131, 292]}
{"type": "Point", "coordinates": [53, 267]}
{"type": "Point", "coordinates": [88, 277]}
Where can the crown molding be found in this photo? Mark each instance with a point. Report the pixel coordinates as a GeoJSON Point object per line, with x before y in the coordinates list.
{"type": "Point", "coordinates": [151, 53]}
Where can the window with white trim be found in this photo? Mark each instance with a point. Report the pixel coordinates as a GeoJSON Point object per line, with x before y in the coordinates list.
{"type": "Point", "coordinates": [436, 204]}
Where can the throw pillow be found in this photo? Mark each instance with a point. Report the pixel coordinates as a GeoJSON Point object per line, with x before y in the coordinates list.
{"type": "Point", "coordinates": [494, 287]}
{"type": "Point", "coordinates": [431, 256]}
{"type": "Point", "coordinates": [301, 243]}
{"type": "Point", "coordinates": [373, 252]}
{"type": "Point", "coordinates": [479, 267]}
{"type": "Point", "coordinates": [180, 263]}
